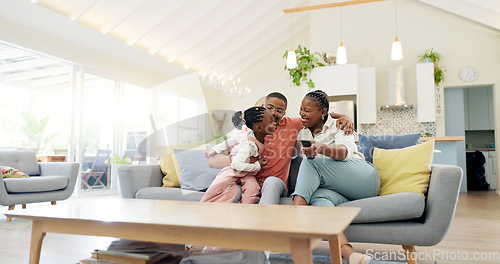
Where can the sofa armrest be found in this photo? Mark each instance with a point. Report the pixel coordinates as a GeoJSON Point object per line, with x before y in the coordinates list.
{"type": "Point", "coordinates": [68, 169]}
{"type": "Point", "coordinates": [442, 198]}
{"type": "Point", "coordinates": [132, 178]}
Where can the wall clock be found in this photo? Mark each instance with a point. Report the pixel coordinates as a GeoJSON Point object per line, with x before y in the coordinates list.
{"type": "Point", "coordinates": [468, 73]}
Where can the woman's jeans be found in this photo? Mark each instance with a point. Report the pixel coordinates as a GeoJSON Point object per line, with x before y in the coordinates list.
{"type": "Point", "coordinates": [324, 181]}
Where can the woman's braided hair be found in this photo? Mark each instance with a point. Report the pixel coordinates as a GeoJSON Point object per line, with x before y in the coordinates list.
{"type": "Point", "coordinates": [320, 97]}
{"type": "Point", "coordinates": [253, 115]}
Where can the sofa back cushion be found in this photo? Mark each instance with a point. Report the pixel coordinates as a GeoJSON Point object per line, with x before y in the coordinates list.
{"type": "Point", "coordinates": [24, 160]}
{"type": "Point", "coordinates": [368, 143]}
{"type": "Point", "coordinates": [195, 174]}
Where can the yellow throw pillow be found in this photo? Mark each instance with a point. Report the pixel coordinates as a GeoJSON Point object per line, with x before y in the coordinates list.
{"type": "Point", "coordinates": [169, 165]}
{"type": "Point", "coordinates": [404, 170]}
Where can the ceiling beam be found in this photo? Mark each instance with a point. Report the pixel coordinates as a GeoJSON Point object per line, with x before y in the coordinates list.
{"type": "Point", "coordinates": [177, 23]}
{"type": "Point", "coordinates": [28, 64]}
{"type": "Point", "coordinates": [195, 34]}
{"type": "Point", "coordinates": [258, 29]}
{"type": "Point", "coordinates": [13, 53]}
{"type": "Point", "coordinates": [316, 7]}
{"type": "Point", "coordinates": [251, 54]}
{"type": "Point", "coordinates": [31, 74]}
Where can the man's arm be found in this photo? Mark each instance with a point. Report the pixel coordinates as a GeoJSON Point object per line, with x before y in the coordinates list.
{"type": "Point", "coordinates": [344, 123]}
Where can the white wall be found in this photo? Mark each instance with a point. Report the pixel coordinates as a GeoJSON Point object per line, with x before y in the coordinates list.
{"type": "Point", "coordinates": [369, 29]}
{"type": "Point", "coordinates": [368, 32]}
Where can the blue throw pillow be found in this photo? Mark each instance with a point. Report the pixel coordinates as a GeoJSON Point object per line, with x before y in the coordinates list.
{"type": "Point", "coordinates": [367, 143]}
{"type": "Point", "coordinates": [195, 173]}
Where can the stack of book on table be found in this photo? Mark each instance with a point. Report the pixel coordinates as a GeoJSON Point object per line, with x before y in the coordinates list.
{"type": "Point", "coordinates": [137, 252]}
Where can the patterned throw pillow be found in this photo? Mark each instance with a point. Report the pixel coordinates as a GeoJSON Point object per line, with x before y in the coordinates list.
{"type": "Point", "coordinates": [9, 172]}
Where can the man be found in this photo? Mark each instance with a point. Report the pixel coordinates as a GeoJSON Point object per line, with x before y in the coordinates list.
{"type": "Point", "coordinates": [279, 149]}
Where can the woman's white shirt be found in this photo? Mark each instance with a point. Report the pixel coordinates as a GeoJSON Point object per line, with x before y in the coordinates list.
{"type": "Point", "coordinates": [331, 135]}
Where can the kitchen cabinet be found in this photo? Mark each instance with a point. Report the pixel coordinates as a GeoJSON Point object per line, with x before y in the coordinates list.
{"type": "Point", "coordinates": [425, 93]}
{"type": "Point", "coordinates": [367, 97]}
{"type": "Point", "coordinates": [336, 80]}
{"type": "Point", "coordinates": [479, 108]}
{"type": "Point", "coordinates": [490, 173]}
{"type": "Point", "coordinates": [493, 175]}
{"type": "Point", "coordinates": [491, 107]}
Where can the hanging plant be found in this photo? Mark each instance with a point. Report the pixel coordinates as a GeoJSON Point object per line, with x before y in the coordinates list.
{"type": "Point", "coordinates": [434, 57]}
{"type": "Point", "coordinates": [306, 61]}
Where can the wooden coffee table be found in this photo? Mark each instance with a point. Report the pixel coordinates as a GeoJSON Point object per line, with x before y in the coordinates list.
{"type": "Point", "coordinates": [277, 228]}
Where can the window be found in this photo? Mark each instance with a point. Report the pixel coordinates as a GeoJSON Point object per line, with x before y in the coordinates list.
{"type": "Point", "coordinates": [180, 117]}
{"type": "Point", "coordinates": [136, 121]}
{"type": "Point", "coordinates": [36, 96]}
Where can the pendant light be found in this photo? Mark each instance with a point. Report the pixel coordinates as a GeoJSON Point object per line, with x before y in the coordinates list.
{"type": "Point", "coordinates": [291, 59]}
{"type": "Point", "coordinates": [341, 51]}
{"type": "Point", "coordinates": [397, 50]}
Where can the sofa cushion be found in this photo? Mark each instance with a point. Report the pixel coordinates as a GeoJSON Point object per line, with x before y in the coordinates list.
{"type": "Point", "coordinates": [163, 193]}
{"type": "Point", "coordinates": [392, 207]}
{"type": "Point", "coordinates": [36, 184]}
{"type": "Point", "coordinates": [404, 170]}
{"type": "Point", "coordinates": [24, 160]}
{"type": "Point", "coordinates": [368, 143]}
{"type": "Point", "coordinates": [169, 166]}
{"type": "Point", "coordinates": [196, 175]}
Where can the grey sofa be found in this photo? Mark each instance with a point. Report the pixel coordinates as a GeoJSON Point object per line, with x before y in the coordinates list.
{"type": "Point", "coordinates": [405, 219]}
{"type": "Point", "coordinates": [48, 181]}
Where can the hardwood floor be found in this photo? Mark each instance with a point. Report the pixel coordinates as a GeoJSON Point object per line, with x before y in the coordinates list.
{"type": "Point", "coordinates": [475, 231]}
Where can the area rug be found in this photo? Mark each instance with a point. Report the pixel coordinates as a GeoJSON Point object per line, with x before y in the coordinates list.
{"type": "Point", "coordinates": [317, 259]}
{"type": "Point", "coordinates": [15, 224]}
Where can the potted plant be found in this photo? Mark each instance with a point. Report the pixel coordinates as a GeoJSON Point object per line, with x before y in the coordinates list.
{"type": "Point", "coordinates": [34, 131]}
{"type": "Point", "coordinates": [434, 57]}
{"type": "Point", "coordinates": [306, 61]}
{"type": "Point", "coordinates": [116, 159]}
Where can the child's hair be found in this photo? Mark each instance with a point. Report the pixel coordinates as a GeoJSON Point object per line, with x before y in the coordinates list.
{"type": "Point", "coordinates": [277, 95]}
{"type": "Point", "coordinates": [253, 115]}
{"type": "Point", "coordinates": [237, 120]}
{"type": "Point", "coordinates": [320, 97]}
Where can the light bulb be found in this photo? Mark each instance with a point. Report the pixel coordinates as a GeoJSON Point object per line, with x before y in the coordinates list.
{"type": "Point", "coordinates": [291, 60]}
{"type": "Point", "coordinates": [341, 54]}
{"type": "Point", "coordinates": [397, 50]}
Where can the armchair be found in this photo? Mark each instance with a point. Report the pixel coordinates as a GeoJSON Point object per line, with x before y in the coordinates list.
{"type": "Point", "coordinates": [54, 181]}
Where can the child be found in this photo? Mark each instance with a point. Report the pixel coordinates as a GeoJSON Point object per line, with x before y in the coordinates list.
{"type": "Point", "coordinates": [224, 188]}
{"type": "Point", "coordinates": [238, 136]}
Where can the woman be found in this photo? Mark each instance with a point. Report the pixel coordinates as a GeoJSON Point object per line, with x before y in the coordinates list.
{"type": "Point", "coordinates": [335, 172]}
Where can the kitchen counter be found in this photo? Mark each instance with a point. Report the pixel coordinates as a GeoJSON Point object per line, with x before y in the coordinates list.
{"type": "Point", "coordinates": [480, 149]}
{"type": "Point", "coordinates": [443, 139]}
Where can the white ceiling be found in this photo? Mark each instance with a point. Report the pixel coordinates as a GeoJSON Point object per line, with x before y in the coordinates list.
{"type": "Point", "coordinates": [198, 35]}
{"type": "Point", "coordinates": [486, 12]}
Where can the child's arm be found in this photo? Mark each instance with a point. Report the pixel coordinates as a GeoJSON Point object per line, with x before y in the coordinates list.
{"type": "Point", "coordinates": [225, 145]}
{"type": "Point", "coordinates": [240, 161]}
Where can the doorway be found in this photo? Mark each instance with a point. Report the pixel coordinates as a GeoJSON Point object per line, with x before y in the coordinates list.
{"type": "Point", "coordinates": [469, 112]}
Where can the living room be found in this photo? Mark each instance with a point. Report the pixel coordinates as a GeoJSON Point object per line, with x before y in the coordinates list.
{"type": "Point", "coordinates": [98, 80]}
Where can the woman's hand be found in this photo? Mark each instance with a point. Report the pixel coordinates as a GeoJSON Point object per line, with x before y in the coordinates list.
{"type": "Point", "coordinates": [313, 150]}
{"type": "Point", "coordinates": [210, 153]}
{"type": "Point", "coordinates": [262, 161]}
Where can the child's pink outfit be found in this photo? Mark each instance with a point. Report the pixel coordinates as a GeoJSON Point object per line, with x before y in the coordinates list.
{"type": "Point", "coordinates": [224, 188]}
